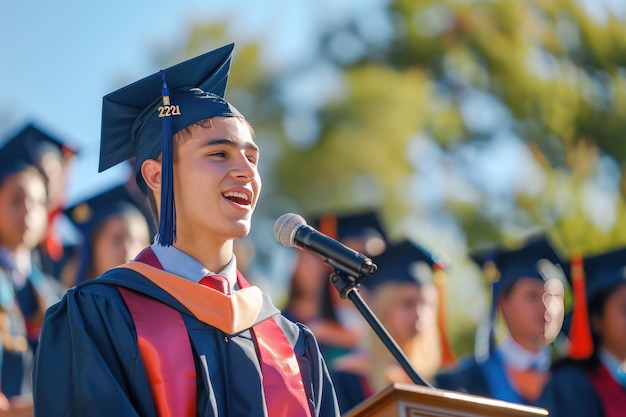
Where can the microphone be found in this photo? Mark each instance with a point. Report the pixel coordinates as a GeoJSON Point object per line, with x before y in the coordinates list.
{"type": "Point", "coordinates": [291, 230]}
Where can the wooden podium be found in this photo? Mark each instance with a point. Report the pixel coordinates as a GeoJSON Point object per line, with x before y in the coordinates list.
{"type": "Point", "coordinates": [408, 400]}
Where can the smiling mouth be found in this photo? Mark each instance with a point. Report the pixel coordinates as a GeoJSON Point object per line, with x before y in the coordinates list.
{"type": "Point", "coordinates": [238, 198]}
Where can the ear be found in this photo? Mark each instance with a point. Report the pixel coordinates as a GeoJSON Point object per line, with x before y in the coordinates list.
{"type": "Point", "coordinates": [151, 172]}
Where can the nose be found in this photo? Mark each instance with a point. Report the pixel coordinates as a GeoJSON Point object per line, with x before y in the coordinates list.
{"type": "Point", "coordinates": [243, 169]}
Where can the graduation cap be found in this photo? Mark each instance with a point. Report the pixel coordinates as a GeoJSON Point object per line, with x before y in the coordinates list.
{"type": "Point", "coordinates": [404, 262]}
{"type": "Point", "coordinates": [140, 119]}
{"type": "Point", "coordinates": [31, 143]}
{"type": "Point", "coordinates": [503, 267]}
{"type": "Point", "coordinates": [363, 225]}
{"type": "Point", "coordinates": [11, 164]}
{"type": "Point", "coordinates": [604, 272]}
{"type": "Point", "coordinates": [88, 215]}
{"type": "Point", "coordinates": [591, 277]}
{"type": "Point", "coordinates": [19, 152]}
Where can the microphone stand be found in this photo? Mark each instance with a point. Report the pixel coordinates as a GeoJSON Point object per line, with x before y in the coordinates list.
{"type": "Point", "coordinates": [347, 287]}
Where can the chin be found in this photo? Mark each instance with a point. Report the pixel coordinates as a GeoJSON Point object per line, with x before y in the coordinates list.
{"type": "Point", "coordinates": [241, 229]}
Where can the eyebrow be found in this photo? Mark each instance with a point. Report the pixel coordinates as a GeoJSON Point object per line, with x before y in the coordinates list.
{"type": "Point", "coordinates": [229, 142]}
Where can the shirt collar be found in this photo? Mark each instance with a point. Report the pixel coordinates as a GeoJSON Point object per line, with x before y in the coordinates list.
{"type": "Point", "coordinates": [615, 367]}
{"type": "Point", "coordinates": [519, 357]}
{"type": "Point", "coordinates": [177, 262]}
{"type": "Point", "coordinates": [18, 264]}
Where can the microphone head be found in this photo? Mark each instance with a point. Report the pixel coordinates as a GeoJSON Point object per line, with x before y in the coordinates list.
{"type": "Point", "coordinates": [285, 228]}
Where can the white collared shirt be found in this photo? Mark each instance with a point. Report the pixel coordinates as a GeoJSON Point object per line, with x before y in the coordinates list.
{"type": "Point", "coordinates": [179, 263]}
{"type": "Point", "coordinates": [519, 357]}
{"type": "Point", "coordinates": [615, 367]}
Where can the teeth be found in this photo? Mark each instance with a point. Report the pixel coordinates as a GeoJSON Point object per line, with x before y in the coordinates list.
{"type": "Point", "coordinates": [236, 195]}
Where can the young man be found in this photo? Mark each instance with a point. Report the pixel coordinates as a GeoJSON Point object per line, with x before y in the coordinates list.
{"type": "Point", "coordinates": [528, 294]}
{"type": "Point", "coordinates": [151, 338]}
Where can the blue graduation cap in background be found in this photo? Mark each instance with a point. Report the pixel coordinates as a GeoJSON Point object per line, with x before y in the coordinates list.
{"type": "Point", "coordinates": [590, 278]}
{"type": "Point", "coordinates": [604, 272]}
{"type": "Point", "coordinates": [27, 146]}
{"type": "Point", "coordinates": [364, 225]}
{"type": "Point", "coordinates": [31, 142]}
{"type": "Point", "coordinates": [88, 215]}
{"type": "Point", "coordinates": [140, 119]}
{"type": "Point", "coordinates": [502, 268]}
{"type": "Point", "coordinates": [403, 262]}
{"type": "Point", "coordinates": [11, 163]}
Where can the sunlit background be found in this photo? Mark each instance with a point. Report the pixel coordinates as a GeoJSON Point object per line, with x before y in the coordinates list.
{"type": "Point", "coordinates": [466, 123]}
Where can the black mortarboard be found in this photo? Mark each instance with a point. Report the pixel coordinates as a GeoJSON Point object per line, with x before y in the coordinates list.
{"type": "Point", "coordinates": [364, 225]}
{"type": "Point", "coordinates": [604, 272]}
{"type": "Point", "coordinates": [10, 163]}
{"type": "Point", "coordinates": [591, 277]}
{"type": "Point", "coordinates": [27, 146]}
{"type": "Point", "coordinates": [90, 213]}
{"type": "Point", "coordinates": [404, 262]}
{"type": "Point", "coordinates": [31, 142]}
{"type": "Point", "coordinates": [139, 120]}
{"type": "Point", "coordinates": [503, 267]}
{"type": "Point", "coordinates": [10, 167]}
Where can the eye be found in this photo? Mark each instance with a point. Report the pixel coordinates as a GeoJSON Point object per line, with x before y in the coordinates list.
{"type": "Point", "coordinates": [220, 154]}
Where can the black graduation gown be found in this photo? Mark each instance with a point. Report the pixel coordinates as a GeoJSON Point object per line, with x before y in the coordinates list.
{"type": "Point", "coordinates": [88, 362]}
{"type": "Point", "coordinates": [569, 392]}
{"type": "Point", "coordinates": [466, 376]}
{"type": "Point", "coordinates": [351, 388]}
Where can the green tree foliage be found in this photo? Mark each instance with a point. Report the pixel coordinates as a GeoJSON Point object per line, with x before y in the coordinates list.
{"type": "Point", "coordinates": [467, 123]}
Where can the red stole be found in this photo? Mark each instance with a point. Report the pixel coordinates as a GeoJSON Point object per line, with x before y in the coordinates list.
{"type": "Point", "coordinates": [282, 382]}
{"type": "Point", "coordinates": [612, 395]}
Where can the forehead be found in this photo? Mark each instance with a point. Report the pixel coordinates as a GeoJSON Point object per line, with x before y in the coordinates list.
{"type": "Point", "coordinates": [233, 128]}
{"type": "Point", "coordinates": [527, 285]}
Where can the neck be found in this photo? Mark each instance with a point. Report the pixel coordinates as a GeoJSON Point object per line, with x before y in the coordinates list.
{"type": "Point", "coordinates": [618, 354]}
{"type": "Point", "coordinates": [530, 344]}
{"type": "Point", "coordinates": [214, 256]}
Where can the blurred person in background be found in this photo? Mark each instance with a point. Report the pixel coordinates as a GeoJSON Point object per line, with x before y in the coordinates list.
{"type": "Point", "coordinates": [591, 382]}
{"type": "Point", "coordinates": [23, 223]}
{"type": "Point", "coordinates": [113, 231]}
{"type": "Point", "coordinates": [527, 293]}
{"type": "Point", "coordinates": [403, 295]}
{"type": "Point", "coordinates": [52, 157]}
{"type": "Point", "coordinates": [302, 303]}
{"type": "Point", "coordinates": [339, 326]}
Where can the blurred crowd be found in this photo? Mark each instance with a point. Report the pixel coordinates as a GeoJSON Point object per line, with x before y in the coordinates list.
{"type": "Point", "coordinates": [529, 350]}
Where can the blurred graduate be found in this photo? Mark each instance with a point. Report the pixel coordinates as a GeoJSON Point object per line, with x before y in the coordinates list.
{"type": "Point", "coordinates": [53, 158]}
{"type": "Point", "coordinates": [527, 296]}
{"type": "Point", "coordinates": [591, 382]}
{"type": "Point", "coordinates": [25, 291]}
{"type": "Point", "coordinates": [403, 295]}
{"type": "Point", "coordinates": [179, 331]}
{"type": "Point", "coordinates": [339, 326]}
{"type": "Point", "coordinates": [113, 230]}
